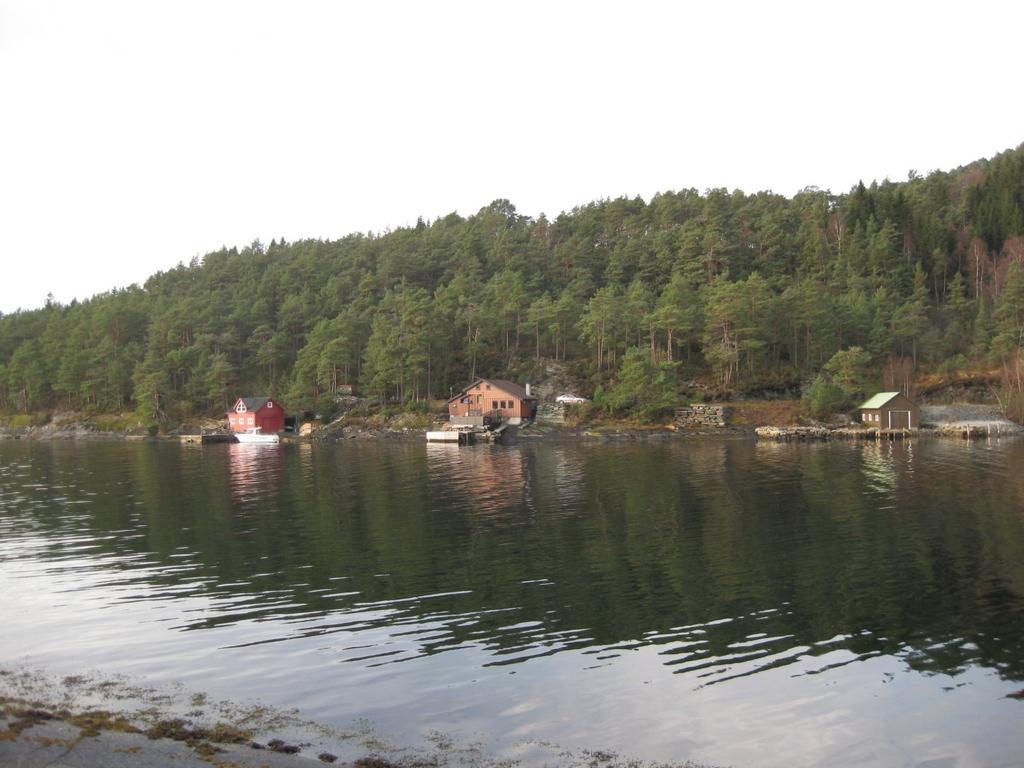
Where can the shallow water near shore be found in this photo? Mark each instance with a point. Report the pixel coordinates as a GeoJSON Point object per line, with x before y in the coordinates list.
{"type": "Point", "coordinates": [727, 602]}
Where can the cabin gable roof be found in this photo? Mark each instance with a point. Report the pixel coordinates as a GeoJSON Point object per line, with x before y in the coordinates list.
{"type": "Point", "coordinates": [252, 404]}
{"type": "Point", "coordinates": [879, 400]}
{"type": "Point", "coordinates": [508, 387]}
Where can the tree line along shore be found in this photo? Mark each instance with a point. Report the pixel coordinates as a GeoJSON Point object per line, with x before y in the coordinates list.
{"type": "Point", "coordinates": [818, 297]}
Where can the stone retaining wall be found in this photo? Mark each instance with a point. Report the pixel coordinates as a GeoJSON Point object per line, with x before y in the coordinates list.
{"type": "Point", "coordinates": [551, 413]}
{"type": "Point", "coordinates": [702, 415]}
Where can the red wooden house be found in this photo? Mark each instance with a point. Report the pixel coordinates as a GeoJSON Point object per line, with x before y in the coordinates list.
{"type": "Point", "coordinates": [262, 412]}
{"type": "Point", "coordinates": [492, 400]}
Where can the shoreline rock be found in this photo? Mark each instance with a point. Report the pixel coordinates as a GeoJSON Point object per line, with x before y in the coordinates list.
{"type": "Point", "coordinates": [708, 426]}
{"type": "Point", "coordinates": [955, 430]}
{"type": "Point", "coordinates": [80, 432]}
{"type": "Point", "coordinates": [792, 433]}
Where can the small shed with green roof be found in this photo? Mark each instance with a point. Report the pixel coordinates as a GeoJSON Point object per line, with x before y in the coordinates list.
{"type": "Point", "coordinates": [890, 410]}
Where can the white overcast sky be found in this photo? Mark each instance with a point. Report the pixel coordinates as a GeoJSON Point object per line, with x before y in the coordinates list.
{"type": "Point", "coordinates": [134, 135]}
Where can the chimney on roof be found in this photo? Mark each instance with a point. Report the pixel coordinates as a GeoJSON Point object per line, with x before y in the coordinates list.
{"type": "Point", "coordinates": [527, 389]}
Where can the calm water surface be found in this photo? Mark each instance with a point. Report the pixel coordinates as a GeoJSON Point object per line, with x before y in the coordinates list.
{"type": "Point", "coordinates": [726, 602]}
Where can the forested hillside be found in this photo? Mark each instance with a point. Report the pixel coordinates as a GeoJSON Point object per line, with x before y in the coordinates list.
{"type": "Point", "coordinates": [744, 290]}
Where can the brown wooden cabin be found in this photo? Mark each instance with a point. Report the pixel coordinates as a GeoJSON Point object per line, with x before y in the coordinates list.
{"type": "Point", "coordinates": [489, 401]}
{"type": "Point", "coordinates": [890, 410]}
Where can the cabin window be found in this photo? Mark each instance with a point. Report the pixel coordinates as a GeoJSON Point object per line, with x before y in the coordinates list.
{"type": "Point", "coordinates": [269, 404]}
{"type": "Point", "coordinates": [494, 405]}
{"type": "Point", "coordinates": [251, 420]}
{"type": "Point", "coordinates": [488, 386]}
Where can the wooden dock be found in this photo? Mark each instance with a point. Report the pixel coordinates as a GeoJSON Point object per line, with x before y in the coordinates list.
{"type": "Point", "coordinates": [469, 436]}
{"type": "Point", "coordinates": [204, 439]}
{"type": "Point", "coordinates": [451, 436]}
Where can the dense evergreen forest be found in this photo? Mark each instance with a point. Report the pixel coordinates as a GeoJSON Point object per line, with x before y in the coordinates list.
{"type": "Point", "coordinates": [835, 294]}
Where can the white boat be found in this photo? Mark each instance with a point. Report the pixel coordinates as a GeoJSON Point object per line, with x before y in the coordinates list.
{"type": "Point", "coordinates": [255, 435]}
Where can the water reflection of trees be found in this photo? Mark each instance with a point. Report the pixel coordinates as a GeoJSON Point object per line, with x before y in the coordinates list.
{"type": "Point", "coordinates": [714, 552]}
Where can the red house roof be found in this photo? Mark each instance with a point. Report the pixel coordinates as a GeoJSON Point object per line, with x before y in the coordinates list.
{"type": "Point", "coordinates": [509, 387]}
{"type": "Point", "coordinates": [252, 403]}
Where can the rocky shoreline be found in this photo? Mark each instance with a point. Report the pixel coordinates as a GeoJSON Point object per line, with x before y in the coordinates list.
{"type": "Point", "coordinates": [963, 431]}
{"type": "Point", "coordinates": [965, 421]}
{"type": "Point", "coordinates": [77, 432]}
{"type": "Point", "coordinates": [557, 433]}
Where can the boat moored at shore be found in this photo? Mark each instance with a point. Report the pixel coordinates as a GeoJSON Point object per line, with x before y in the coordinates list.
{"type": "Point", "coordinates": [255, 436]}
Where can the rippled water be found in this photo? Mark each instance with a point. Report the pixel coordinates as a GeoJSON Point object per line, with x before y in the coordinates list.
{"type": "Point", "coordinates": [721, 601]}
